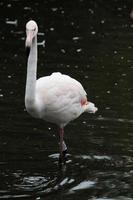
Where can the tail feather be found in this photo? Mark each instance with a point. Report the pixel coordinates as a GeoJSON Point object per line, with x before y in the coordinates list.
{"type": "Point", "coordinates": [90, 107]}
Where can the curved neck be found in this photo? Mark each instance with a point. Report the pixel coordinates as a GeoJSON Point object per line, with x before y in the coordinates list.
{"type": "Point", "coordinates": [31, 75]}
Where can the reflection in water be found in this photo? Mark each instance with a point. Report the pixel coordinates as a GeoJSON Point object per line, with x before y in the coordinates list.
{"type": "Point", "coordinates": [93, 175]}
{"type": "Point", "coordinates": [83, 185]}
{"type": "Point", "coordinates": [92, 43]}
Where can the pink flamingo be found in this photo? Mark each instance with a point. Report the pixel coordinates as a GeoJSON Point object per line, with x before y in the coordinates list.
{"type": "Point", "coordinates": [57, 98]}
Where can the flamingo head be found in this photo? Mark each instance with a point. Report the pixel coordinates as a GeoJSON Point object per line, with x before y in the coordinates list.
{"type": "Point", "coordinates": [31, 32]}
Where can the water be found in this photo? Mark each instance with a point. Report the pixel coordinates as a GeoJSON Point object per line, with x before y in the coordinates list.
{"type": "Point", "coordinates": [92, 42]}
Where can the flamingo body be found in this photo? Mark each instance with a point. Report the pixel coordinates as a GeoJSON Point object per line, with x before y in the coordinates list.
{"type": "Point", "coordinates": [58, 98]}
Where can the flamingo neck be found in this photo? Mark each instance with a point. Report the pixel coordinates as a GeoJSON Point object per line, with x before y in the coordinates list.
{"type": "Point", "coordinates": [31, 77]}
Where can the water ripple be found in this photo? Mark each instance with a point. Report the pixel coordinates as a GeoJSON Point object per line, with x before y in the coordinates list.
{"type": "Point", "coordinates": [121, 120]}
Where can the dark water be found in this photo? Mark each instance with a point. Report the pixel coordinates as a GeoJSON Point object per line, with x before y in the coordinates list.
{"type": "Point", "coordinates": [91, 41]}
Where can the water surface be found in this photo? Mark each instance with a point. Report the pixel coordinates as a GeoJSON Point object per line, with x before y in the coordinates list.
{"type": "Point", "coordinates": [92, 42]}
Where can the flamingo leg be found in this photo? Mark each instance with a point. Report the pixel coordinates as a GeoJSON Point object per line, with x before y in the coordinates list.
{"type": "Point", "coordinates": [63, 147]}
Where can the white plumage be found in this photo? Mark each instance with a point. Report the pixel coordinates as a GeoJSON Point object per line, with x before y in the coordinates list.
{"type": "Point", "coordinates": [60, 96]}
{"type": "Point", "coordinates": [57, 98]}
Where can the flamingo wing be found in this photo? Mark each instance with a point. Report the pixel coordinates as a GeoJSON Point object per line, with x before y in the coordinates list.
{"type": "Point", "coordinates": [60, 98]}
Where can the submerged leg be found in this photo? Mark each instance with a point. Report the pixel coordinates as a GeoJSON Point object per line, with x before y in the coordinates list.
{"type": "Point", "coordinates": [63, 147]}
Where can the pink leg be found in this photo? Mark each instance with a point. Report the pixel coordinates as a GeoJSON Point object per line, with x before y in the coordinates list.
{"type": "Point", "coordinates": [61, 131]}
{"type": "Point", "coordinates": [63, 147]}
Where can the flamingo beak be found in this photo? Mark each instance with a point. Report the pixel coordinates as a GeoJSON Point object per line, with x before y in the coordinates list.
{"type": "Point", "coordinates": [27, 51]}
{"type": "Point", "coordinates": [28, 43]}
{"type": "Point", "coordinates": [29, 38]}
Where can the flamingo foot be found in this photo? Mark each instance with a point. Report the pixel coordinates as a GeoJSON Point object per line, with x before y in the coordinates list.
{"type": "Point", "coordinates": [63, 157]}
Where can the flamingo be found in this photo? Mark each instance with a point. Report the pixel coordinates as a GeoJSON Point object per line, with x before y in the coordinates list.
{"type": "Point", "coordinates": [57, 98]}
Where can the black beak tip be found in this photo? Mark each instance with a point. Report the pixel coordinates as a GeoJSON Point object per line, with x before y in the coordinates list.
{"type": "Point", "coordinates": [27, 51]}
